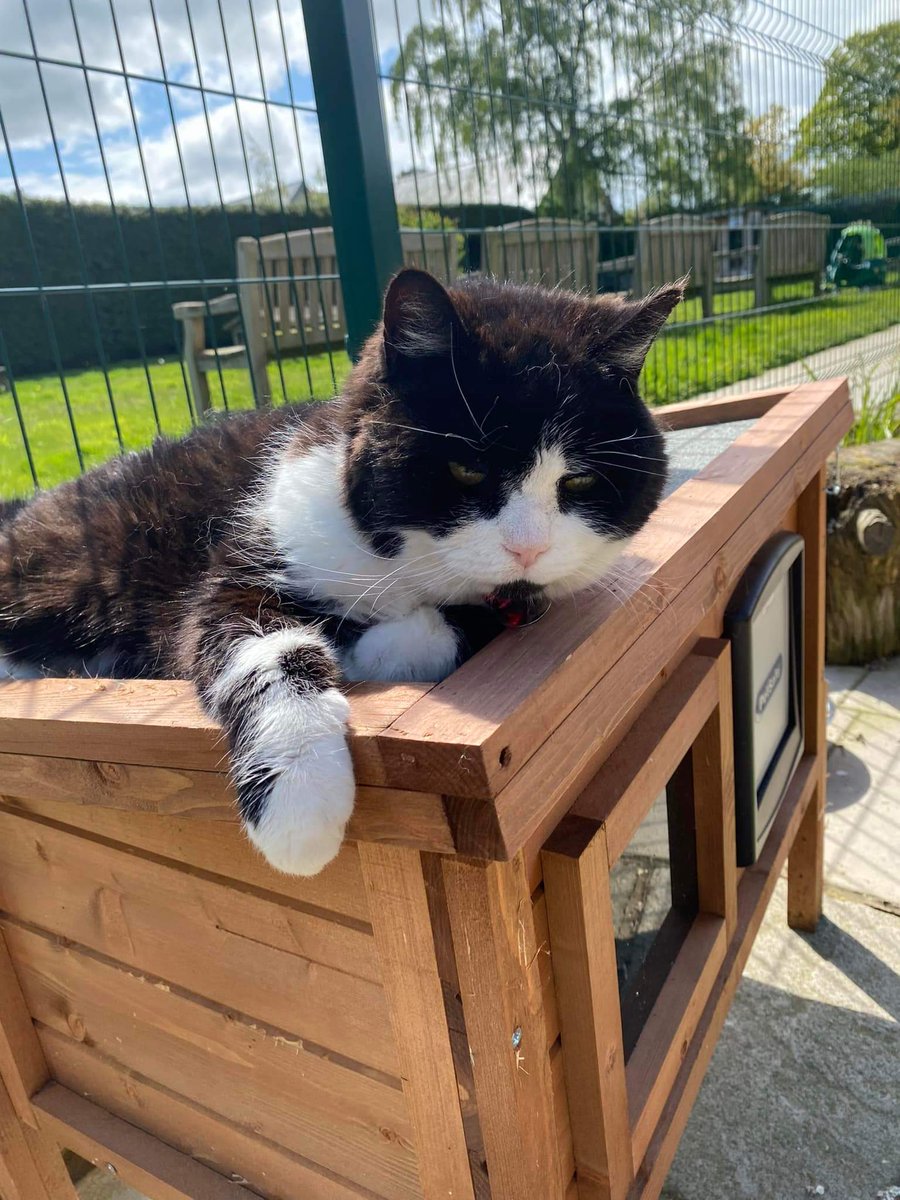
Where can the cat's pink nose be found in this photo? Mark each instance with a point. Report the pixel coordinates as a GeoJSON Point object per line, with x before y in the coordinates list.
{"type": "Point", "coordinates": [527, 555]}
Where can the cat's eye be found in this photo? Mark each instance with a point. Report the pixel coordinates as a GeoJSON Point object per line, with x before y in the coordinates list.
{"type": "Point", "coordinates": [579, 483]}
{"type": "Point", "coordinates": [467, 476]}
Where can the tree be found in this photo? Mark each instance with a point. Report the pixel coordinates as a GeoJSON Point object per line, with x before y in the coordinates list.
{"type": "Point", "coordinates": [776, 173]}
{"type": "Point", "coordinates": [857, 113]}
{"type": "Point", "coordinates": [604, 100]}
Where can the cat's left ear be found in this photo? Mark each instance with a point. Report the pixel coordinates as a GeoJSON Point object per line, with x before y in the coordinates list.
{"type": "Point", "coordinates": [419, 318]}
{"type": "Point", "coordinates": [624, 347]}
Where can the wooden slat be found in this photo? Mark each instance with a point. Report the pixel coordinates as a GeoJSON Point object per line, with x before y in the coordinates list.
{"type": "Point", "coordinates": [380, 814]}
{"type": "Point", "coordinates": [22, 1065]}
{"type": "Point", "coordinates": [494, 941]}
{"type": "Point", "coordinates": [545, 967]}
{"type": "Point", "coordinates": [19, 1176]}
{"type": "Point", "coordinates": [670, 1027]}
{"type": "Point", "coordinates": [252, 1076]}
{"type": "Point", "coordinates": [217, 847]}
{"type": "Point", "coordinates": [453, 743]}
{"type": "Point", "coordinates": [86, 718]}
{"type": "Point", "coordinates": [140, 1160]}
{"type": "Point", "coordinates": [636, 676]}
{"type": "Point", "coordinates": [23, 1070]}
{"type": "Point", "coordinates": [754, 893]}
{"type": "Point", "coordinates": [402, 926]}
{"type": "Point", "coordinates": [712, 764]}
{"type": "Point", "coordinates": [561, 1111]}
{"type": "Point", "coordinates": [295, 970]}
{"type": "Point", "coordinates": [806, 864]}
{"type": "Point", "coordinates": [622, 793]}
{"type": "Point", "coordinates": [576, 884]}
{"type": "Point", "coordinates": [690, 414]}
{"type": "Point", "coordinates": [269, 1170]}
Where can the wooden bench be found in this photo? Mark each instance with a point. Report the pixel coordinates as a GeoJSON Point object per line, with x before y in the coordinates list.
{"type": "Point", "coordinates": [545, 251]}
{"type": "Point", "coordinates": [436, 1014]}
{"type": "Point", "coordinates": [288, 301]}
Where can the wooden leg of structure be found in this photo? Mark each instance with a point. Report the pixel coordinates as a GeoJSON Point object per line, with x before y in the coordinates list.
{"type": "Point", "coordinates": [31, 1165]}
{"type": "Point", "coordinates": [492, 923]}
{"type": "Point", "coordinates": [806, 861]}
{"type": "Point", "coordinates": [400, 917]}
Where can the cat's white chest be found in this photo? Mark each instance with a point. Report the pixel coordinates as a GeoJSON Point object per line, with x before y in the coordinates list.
{"type": "Point", "coordinates": [325, 554]}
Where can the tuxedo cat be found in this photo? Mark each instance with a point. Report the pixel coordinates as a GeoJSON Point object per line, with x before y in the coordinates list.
{"type": "Point", "coordinates": [489, 447]}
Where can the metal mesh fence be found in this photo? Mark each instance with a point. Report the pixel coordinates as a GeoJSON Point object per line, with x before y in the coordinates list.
{"type": "Point", "coordinates": [166, 222]}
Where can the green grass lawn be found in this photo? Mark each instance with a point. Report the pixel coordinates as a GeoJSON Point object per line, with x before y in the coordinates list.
{"type": "Point", "coordinates": [688, 360]}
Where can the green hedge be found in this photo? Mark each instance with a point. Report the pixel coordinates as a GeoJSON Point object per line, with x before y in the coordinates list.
{"type": "Point", "coordinates": [173, 243]}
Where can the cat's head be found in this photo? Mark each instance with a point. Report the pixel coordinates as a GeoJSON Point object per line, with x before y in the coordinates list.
{"type": "Point", "coordinates": [496, 430]}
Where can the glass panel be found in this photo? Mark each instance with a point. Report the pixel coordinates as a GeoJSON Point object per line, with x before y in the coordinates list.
{"type": "Point", "coordinates": [654, 899]}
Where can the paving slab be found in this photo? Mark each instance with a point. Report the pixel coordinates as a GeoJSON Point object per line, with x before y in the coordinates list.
{"type": "Point", "coordinates": [862, 823]}
{"type": "Point", "coordinates": [803, 1092]}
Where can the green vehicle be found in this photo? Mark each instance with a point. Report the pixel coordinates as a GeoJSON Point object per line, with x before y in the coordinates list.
{"type": "Point", "coordinates": [859, 259]}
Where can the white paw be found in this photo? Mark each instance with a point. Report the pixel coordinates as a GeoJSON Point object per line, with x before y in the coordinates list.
{"type": "Point", "coordinates": [421, 647]}
{"type": "Point", "coordinates": [300, 746]}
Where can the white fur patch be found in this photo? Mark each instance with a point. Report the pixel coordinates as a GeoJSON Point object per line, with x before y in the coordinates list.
{"type": "Point", "coordinates": [421, 647]}
{"type": "Point", "coordinates": [301, 738]}
{"type": "Point", "coordinates": [305, 814]}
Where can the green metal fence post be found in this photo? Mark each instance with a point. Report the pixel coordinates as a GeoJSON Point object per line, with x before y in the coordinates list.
{"type": "Point", "coordinates": [344, 66]}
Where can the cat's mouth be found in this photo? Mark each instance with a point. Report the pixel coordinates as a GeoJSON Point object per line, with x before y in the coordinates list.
{"type": "Point", "coordinates": [519, 603]}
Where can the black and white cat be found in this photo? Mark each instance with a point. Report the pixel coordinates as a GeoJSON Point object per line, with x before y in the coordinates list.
{"type": "Point", "coordinates": [489, 446]}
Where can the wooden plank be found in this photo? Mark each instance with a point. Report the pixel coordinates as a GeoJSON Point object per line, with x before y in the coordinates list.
{"type": "Point", "coordinates": [496, 955]}
{"type": "Point", "coordinates": [19, 1176]}
{"type": "Point", "coordinates": [88, 718]}
{"type": "Point", "coordinates": [576, 884]}
{"type": "Point", "coordinates": [23, 1070]}
{"type": "Point", "coordinates": [456, 1022]}
{"type": "Point", "coordinates": [337, 1118]}
{"type": "Point", "coordinates": [807, 860]}
{"type": "Point", "coordinates": [233, 1150]}
{"type": "Point", "coordinates": [712, 767]}
{"type": "Point", "coordinates": [623, 791]}
{"type": "Point", "coordinates": [216, 847]}
{"type": "Point", "coordinates": [691, 414]}
{"type": "Point", "coordinates": [403, 934]}
{"type": "Point", "coordinates": [655, 1061]}
{"type": "Point", "coordinates": [380, 814]}
{"type": "Point", "coordinates": [142, 1161]}
{"type": "Point", "coordinates": [22, 1065]}
{"type": "Point", "coordinates": [293, 969]}
{"type": "Point", "coordinates": [545, 966]}
{"type": "Point", "coordinates": [451, 742]}
{"type": "Point", "coordinates": [754, 893]}
{"type": "Point", "coordinates": [635, 678]}
{"type": "Point", "coordinates": [561, 1112]}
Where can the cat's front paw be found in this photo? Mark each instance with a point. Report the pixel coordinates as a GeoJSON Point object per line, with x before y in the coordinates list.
{"type": "Point", "coordinates": [295, 783]}
{"type": "Point", "coordinates": [421, 647]}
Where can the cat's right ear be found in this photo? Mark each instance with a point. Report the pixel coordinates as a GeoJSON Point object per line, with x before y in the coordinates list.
{"type": "Point", "coordinates": [420, 321]}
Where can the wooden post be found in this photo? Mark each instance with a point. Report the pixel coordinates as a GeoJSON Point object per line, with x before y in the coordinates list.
{"type": "Point", "coordinates": [31, 1165]}
{"type": "Point", "coordinates": [492, 923]}
{"type": "Point", "coordinates": [579, 908]}
{"type": "Point", "coordinates": [712, 761]}
{"type": "Point", "coordinates": [396, 887]}
{"type": "Point", "coordinates": [807, 856]}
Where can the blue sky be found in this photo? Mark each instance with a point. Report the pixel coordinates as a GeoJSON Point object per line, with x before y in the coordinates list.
{"type": "Point", "coordinates": [220, 153]}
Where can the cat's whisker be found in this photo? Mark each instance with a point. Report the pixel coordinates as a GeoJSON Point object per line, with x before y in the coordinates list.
{"type": "Point", "coordinates": [480, 428]}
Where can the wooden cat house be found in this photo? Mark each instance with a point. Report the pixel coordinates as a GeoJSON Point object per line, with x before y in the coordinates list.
{"type": "Point", "coordinates": [454, 1008]}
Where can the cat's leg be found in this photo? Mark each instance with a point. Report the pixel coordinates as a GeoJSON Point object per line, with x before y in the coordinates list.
{"type": "Point", "coordinates": [272, 683]}
{"type": "Point", "coordinates": [422, 647]}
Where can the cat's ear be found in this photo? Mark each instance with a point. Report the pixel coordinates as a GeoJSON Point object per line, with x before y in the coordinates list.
{"type": "Point", "coordinates": [624, 346]}
{"type": "Point", "coordinates": [419, 318]}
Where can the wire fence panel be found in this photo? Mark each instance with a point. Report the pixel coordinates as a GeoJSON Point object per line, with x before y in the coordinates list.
{"type": "Point", "coordinates": [654, 139]}
{"type": "Point", "coordinates": [168, 246]}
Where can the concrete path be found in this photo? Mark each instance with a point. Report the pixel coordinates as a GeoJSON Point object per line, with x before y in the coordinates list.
{"type": "Point", "coordinates": [874, 359]}
{"type": "Point", "coordinates": [802, 1097]}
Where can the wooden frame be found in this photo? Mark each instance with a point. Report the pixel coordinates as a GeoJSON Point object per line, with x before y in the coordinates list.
{"type": "Point", "coordinates": [418, 1018]}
